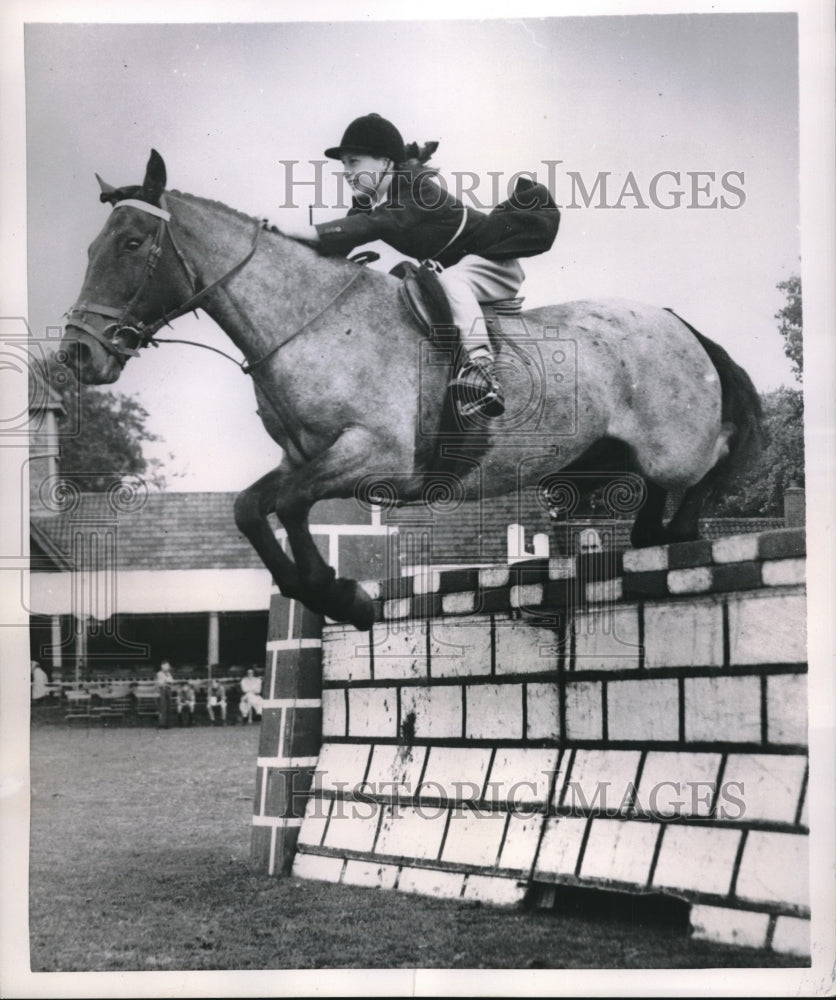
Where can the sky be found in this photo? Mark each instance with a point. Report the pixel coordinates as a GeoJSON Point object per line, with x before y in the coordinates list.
{"type": "Point", "coordinates": [630, 96]}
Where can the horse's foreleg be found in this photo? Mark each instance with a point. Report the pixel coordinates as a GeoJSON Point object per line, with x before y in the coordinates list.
{"type": "Point", "coordinates": [251, 509]}
{"type": "Point", "coordinates": [331, 474]}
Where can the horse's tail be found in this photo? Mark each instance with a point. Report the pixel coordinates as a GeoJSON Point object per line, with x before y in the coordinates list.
{"type": "Point", "coordinates": [741, 406]}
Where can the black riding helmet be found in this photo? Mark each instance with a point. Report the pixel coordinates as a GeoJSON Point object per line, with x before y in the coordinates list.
{"type": "Point", "coordinates": [373, 135]}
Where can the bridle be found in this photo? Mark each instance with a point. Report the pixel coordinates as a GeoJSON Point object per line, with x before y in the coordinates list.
{"type": "Point", "coordinates": [122, 321]}
{"type": "Point", "coordinates": [144, 335]}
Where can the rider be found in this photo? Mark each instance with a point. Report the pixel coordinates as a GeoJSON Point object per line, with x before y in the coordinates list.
{"type": "Point", "coordinates": [397, 199]}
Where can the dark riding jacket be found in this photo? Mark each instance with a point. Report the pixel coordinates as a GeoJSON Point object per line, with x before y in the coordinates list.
{"type": "Point", "coordinates": [420, 218]}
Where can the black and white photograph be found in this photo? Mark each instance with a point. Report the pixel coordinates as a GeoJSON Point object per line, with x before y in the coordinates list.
{"type": "Point", "coordinates": [418, 471]}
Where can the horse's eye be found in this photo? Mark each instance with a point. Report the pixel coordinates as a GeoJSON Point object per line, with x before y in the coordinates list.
{"type": "Point", "coordinates": [133, 243]}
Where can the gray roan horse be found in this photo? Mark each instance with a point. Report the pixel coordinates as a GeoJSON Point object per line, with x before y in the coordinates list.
{"type": "Point", "coordinates": [356, 394]}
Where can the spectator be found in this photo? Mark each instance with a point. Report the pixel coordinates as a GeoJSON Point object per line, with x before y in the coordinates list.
{"type": "Point", "coordinates": [39, 681]}
{"type": "Point", "coordinates": [186, 700]}
{"type": "Point", "coordinates": [164, 682]}
{"type": "Point", "coordinates": [251, 699]}
{"type": "Point", "coordinates": [216, 700]}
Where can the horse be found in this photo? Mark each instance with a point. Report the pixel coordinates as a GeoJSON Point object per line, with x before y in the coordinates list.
{"type": "Point", "coordinates": [356, 393]}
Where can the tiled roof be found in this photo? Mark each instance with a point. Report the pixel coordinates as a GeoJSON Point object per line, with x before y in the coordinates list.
{"type": "Point", "coordinates": [178, 531]}
{"type": "Point", "coordinates": [164, 531]}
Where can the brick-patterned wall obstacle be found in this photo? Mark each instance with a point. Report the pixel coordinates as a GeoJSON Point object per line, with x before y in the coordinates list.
{"type": "Point", "coordinates": [634, 723]}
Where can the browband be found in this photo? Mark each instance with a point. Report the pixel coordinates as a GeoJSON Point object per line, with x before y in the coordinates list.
{"type": "Point", "coordinates": [144, 207]}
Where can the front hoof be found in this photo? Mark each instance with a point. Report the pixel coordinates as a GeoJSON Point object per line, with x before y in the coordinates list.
{"type": "Point", "coordinates": [348, 602]}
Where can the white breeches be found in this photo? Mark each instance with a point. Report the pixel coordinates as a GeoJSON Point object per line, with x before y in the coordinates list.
{"type": "Point", "coordinates": [473, 280]}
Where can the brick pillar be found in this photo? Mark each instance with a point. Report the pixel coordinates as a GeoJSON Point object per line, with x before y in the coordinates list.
{"type": "Point", "coordinates": [794, 513]}
{"type": "Point", "coordinates": [291, 733]}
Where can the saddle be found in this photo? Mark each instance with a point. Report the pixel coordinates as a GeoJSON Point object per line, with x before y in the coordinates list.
{"type": "Point", "coordinates": [423, 295]}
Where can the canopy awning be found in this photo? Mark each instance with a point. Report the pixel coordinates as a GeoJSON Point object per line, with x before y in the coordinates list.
{"type": "Point", "coordinates": [103, 594]}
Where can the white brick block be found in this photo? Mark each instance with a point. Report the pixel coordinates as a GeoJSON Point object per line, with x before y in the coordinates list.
{"type": "Point", "coordinates": [494, 711]}
{"type": "Point", "coordinates": [723, 708]}
{"type": "Point", "coordinates": [352, 826]}
{"type": "Point", "coordinates": [521, 775]}
{"type": "Point", "coordinates": [768, 629]}
{"type": "Point", "coordinates": [428, 882]}
{"type": "Point", "coordinates": [370, 874]}
{"type": "Point", "coordinates": [462, 648]}
{"type": "Point", "coordinates": [333, 712]}
{"type": "Point", "coordinates": [437, 711]}
{"type": "Point", "coordinates": [345, 654]}
{"type": "Point", "coordinates": [774, 868]}
{"type": "Point", "coordinates": [316, 867]}
{"type": "Point", "coordinates": [602, 779]}
{"type": "Point", "coordinates": [341, 765]}
{"type": "Point", "coordinates": [646, 560]}
{"type": "Point", "coordinates": [317, 811]}
{"type": "Point", "coordinates": [372, 588]}
{"type": "Point", "coordinates": [786, 699]}
{"type": "Point", "coordinates": [678, 784]}
{"type": "Point", "coordinates": [584, 714]}
{"type": "Point", "coordinates": [690, 581]}
{"type": "Point", "coordinates": [401, 654]}
{"type": "Point", "coordinates": [397, 608]}
{"type": "Point", "coordinates": [683, 634]}
{"type": "Point", "coordinates": [766, 787]}
{"type": "Point", "coordinates": [523, 649]}
{"type": "Point", "coordinates": [784, 572]}
{"type": "Point", "coordinates": [743, 928]}
{"type": "Point", "coordinates": [492, 890]}
{"type": "Point", "coordinates": [426, 582]}
{"type": "Point", "coordinates": [792, 936]}
{"type": "Point", "coordinates": [699, 859]}
{"type": "Point", "coordinates": [412, 832]}
{"type": "Point", "coordinates": [474, 837]}
{"type": "Point", "coordinates": [542, 711]}
{"type": "Point", "coordinates": [606, 639]}
{"type": "Point", "coordinates": [735, 548]}
{"type": "Point", "coordinates": [621, 851]}
{"type": "Point", "coordinates": [605, 591]}
{"type": "Point", "coordinates": [643, 709]}
{"type": "Point", "coordinates": [494, 576]}
{"type": "Point", "coordinates": [372, 712]}
{"type": "Point", "coordinates": [456, 773]}
{"type": "Point", "coordinates": [562, 568]}
{"type": "Point", "coordinates": [459, 604]}
{"type": "Point", "coordinates": [560, 846]}
{"type": "Point", "coordinates": [528, 595]}
{"type": "Point", "coordinates": [521, 840]}
{"type": "Point", "coordinates": [395, 770]}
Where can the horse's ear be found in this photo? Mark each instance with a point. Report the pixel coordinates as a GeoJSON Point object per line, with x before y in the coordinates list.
{"type": "Point", "coordinates": [108, 191]}
{"type": "Point", "coordinates": [154, 183]}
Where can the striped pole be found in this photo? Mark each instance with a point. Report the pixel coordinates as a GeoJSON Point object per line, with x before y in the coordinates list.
{"type": "Point", "coordinates": [291, 733]}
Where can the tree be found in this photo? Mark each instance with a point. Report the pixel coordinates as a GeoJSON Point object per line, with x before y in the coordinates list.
{"type": "Point", "coordinates": [101, 435]}
{"type": "Point", "coordinates": [790, 317]}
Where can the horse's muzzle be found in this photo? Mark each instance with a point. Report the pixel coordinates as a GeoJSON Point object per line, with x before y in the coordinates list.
{"type": "Point", "coordinates": [86, 360]}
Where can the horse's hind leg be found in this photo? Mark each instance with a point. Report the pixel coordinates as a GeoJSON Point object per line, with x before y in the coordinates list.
{"type": "Point", "coordinates": [648, 528]}
{"type": "Point", "coordinates": [684, 525]}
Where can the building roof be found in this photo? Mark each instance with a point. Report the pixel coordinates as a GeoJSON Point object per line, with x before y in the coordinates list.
{"type": "Point", "coordinates": [193, 531]}
{"type": "Point", "coordinates": [163, 531]}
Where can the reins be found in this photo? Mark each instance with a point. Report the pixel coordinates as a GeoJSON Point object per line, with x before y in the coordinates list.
{"type": "Point", "coordinates": [145, 334]}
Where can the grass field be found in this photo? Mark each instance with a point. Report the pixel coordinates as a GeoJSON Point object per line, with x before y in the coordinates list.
{"type": "Point", "coordinates": [139, 862]}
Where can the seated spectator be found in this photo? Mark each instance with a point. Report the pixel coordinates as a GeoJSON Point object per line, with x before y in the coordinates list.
{"type": "Point", "coordinates": [185, 704]}
{"type": "Point", "coordinates": [39, 681]}
{"type": "Point", "coordinates": [251, 699]}
{"type": "Point", "coordinates": [216, 702]}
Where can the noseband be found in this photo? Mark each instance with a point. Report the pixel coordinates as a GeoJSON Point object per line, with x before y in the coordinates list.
{"type": "Point", "coordinates": [122, 321]}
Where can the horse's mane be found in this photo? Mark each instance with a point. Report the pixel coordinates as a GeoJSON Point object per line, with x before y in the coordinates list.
{"type": "Point", "coordinates": [213, 204]}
